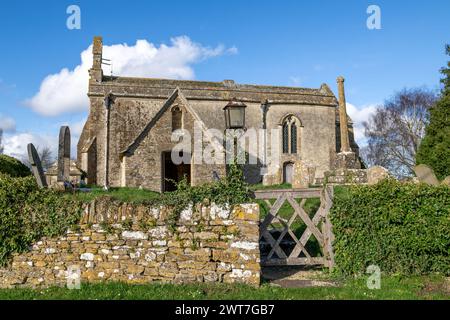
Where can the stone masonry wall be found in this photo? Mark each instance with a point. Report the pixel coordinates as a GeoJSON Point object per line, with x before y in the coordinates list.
{"type": "Point", "coordinates": [134, 243]}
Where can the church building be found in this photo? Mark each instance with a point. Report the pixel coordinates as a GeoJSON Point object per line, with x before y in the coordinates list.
{"type": "Point", "coordinates": [127, 138]}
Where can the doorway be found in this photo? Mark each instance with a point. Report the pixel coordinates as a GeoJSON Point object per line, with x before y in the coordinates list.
{"type": "Point", "coordinates": [288, 170]}
{"type": "Point", "coordinates": [173, 173]}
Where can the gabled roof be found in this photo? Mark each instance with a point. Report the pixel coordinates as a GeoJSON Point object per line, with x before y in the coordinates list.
{"type": "Point", "coordinates": [170, 100]}
{"type": "Point", "coordinates": [132, 146]}
{"type": "Point", "coordinates": [206, 90]}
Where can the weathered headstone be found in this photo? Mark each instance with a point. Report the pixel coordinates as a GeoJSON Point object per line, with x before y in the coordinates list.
{"type": "Point", "coordinates": [446, 181]}
{"type": "Point", "coordinates": [376, 173]}
{"type": "Point", "coordinates": [300, 178]}
{"type": "Point", "coordinates": [36, 166]}
{"type": "Point", "coordinates": [64, 154]}
{"type": "Point", "coordinates": [426, 175]}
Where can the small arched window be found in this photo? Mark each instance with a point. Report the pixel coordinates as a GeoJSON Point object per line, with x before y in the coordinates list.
{"type": "Point", "coordinates": [285, 138]}
{"type": "Point", "coordinates": [293, 138]}
{"type": "Point", "coordinates": [177, 118]}
{"type": "Point", "coordinates": [290, 135]}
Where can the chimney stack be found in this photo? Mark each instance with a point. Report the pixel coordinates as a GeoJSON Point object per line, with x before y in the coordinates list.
{"type": "Point", "coordinates": [96, 71]}
{"type": "Point", "coordinates": [345, 144]}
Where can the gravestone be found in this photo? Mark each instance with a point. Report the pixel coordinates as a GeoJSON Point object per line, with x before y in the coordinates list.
{"type": "Point", "coordinates": [446, 181]}
{"type": "Point", "coordinates": [426, 175]}
{"type": "Point", "coordinates": [300, 178]}
{"type": "Point", "coordinates": [36, 166]}
{"type": "Point", "coordinates": [376, 173]}
{"type": "Point", "coordinates": [64, 154]}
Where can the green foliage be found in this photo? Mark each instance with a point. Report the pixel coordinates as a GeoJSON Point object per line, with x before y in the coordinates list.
{"type": "Point", "coordinates": [107, 227]}
{"type": "Point", "coordinates": [260, 186]}
{"type": "Point", "coordinates": [13, 167]}
{"type": "Point", "coordinates": [402, 228]}
{"type": "Point", "coordinates": [28, 213]}
{"type": "Point", "coordinates": [230, 190]}
{"type": "Point", "coordinates": [125, 194]}
{"type": "Point", "coordinates": [446, 72]}
{"type": "Point", "coordinates": [392, 288]}
{"type": "Point", "coordinates": [127, 223]}
{"type": "Point", "coordinates": [434, 149]}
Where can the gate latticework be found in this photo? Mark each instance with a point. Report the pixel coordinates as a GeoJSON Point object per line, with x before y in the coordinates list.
{"type": "Point", "coordinates": [284, 240]}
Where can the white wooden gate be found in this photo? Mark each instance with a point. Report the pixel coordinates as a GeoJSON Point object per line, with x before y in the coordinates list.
{"type": "Point", "coordinates": [319, 226]}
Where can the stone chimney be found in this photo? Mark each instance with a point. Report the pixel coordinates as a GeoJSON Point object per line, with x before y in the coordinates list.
{"type": "Point", "coordinates": [96, 71]}
{"type": "Point", "coordinates": [345, 144]}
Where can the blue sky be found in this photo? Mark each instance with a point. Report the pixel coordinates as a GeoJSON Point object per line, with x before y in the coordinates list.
{"type": "Point", "coordinates": [295, 43]}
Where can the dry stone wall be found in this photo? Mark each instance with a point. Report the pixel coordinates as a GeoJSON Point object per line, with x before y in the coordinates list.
{"type": "Point", "coordinates": [135, 244]}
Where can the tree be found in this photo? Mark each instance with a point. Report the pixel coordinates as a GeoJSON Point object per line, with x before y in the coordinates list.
{"type": "Point", "coordinates": [13, 167]}
{"type": "Point", "coordinates": [1, 138]}
{"type": "Point", "coordinates": [395, 130]}
{"type": "Point", "coordinates": [46, 156]}
{"type": "Point", "coordinates": [435, 147]}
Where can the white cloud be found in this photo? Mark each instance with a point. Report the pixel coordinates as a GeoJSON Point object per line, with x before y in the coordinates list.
{"type": "Point", "coordinates": [296, 81]}
{"type": "Point", "coordinates": [15, 145]}
{"type": "Point", "coordinates": [66, 90]}
{"type": "Point", "coordinates": [359, 115]}
{"type": "Point", "coordinates": [75, 131]}
{"type": "Point", "coordinates": [76, 127]}
{"type": "Point", "coordinates": [7, 124]}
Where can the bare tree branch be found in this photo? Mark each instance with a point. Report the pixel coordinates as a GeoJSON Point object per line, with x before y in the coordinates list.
{"type": "Point", "coordinates": [396, 129]}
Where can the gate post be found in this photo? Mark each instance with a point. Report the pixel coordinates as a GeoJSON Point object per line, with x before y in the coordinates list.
{"type": "Point", "coordinates": [328, 236]}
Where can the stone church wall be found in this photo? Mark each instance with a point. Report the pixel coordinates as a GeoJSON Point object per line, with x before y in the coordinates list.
{"type": "Point", "coordinates": [113, 243]}
{"type": "Point", "coordinates": [316, 137]}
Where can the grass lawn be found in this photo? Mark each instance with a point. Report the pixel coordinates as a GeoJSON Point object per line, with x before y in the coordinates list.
{"type": "Point", "coordinates": [423, 287]}
{"type": "Point", "coordinates": [134, 195]}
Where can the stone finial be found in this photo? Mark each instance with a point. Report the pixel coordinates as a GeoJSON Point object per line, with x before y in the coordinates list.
{"type": "Point", "coordinates": [97, 51]}
{"type": "Point", "coordinates": [345, 144]}
{"type": "Point", "coordinates": [97, 45]}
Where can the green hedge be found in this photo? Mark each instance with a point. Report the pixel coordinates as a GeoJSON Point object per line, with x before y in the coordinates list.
{"type": "Point", "coordinates": [13, 167]}
{"type": "Point", "coordinates": [28, 213]}
{"type": "Point", "coordinates": [402, 228]}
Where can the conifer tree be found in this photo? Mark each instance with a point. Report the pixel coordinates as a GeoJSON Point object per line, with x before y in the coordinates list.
{"type": "Point", "coordinates": [434, 149]}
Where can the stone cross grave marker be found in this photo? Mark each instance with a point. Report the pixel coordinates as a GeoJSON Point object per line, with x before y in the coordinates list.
{"type": "Point", "coordinates": [36, 166]}
{"type": "Point", "coordinates": [64, 154]}
{"type": "Point", "coordinates": [425, 174]}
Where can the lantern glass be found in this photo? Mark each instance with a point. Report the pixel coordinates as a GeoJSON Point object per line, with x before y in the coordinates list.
{"type": "Point", "coordinates": [237, 117]}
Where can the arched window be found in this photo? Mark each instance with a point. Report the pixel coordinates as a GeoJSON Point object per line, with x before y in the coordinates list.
{"type": "Point", "coordinates": [290, 135]}
{"type": "Point", "coordinates": [177, 118]}
{"type": "Point", "coordinates": [285, 138]}
{"type": "Point", "coordinates": [293, 138]}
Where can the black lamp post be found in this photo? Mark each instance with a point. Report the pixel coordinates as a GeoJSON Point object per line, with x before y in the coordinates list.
{"type": "Point", "coordinates": [235, 123]}
{"type": "Point", "coordinates": [235, 114]}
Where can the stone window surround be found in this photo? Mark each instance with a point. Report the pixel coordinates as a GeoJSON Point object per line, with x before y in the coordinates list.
{"type": "Point", "coordinates": [290, 119]}
{"type": "Point", "coordinates": [173, 109]}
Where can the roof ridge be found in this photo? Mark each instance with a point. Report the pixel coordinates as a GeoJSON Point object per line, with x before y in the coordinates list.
{"type": "Point", "coordinates": [225, 84]}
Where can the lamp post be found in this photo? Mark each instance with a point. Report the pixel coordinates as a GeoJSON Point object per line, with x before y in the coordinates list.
{"type": "Point", "coordinates": [235, 114]}
{"type": "Point", "coordinates": [235, 124]}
